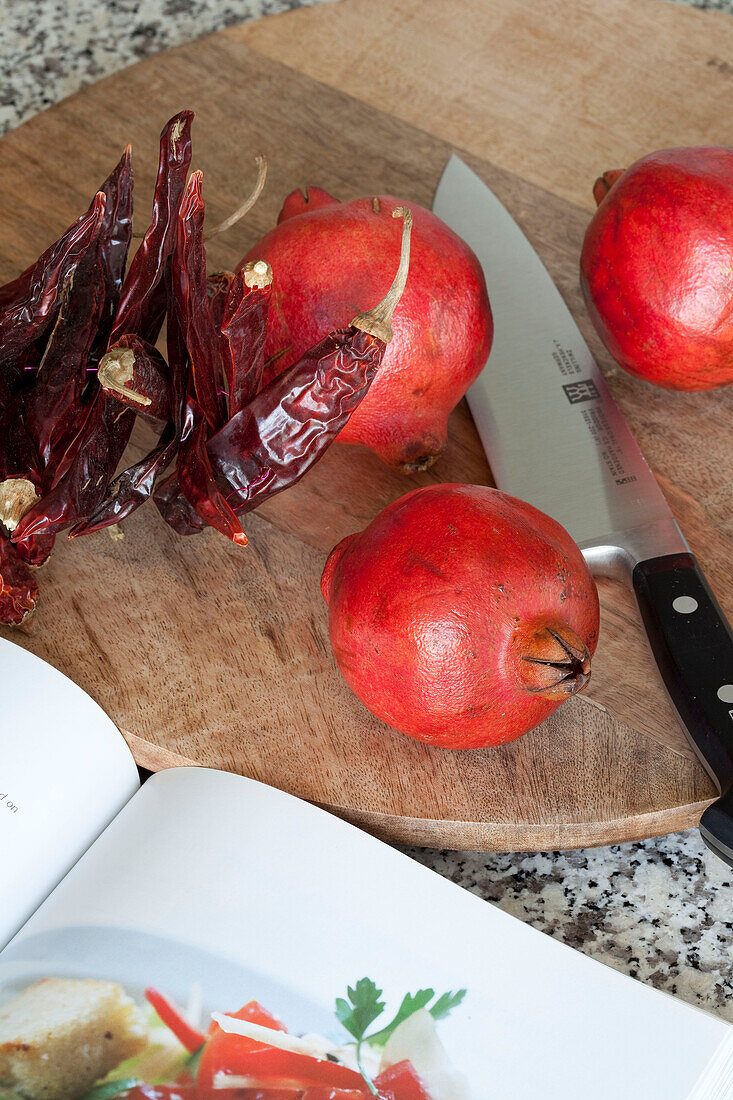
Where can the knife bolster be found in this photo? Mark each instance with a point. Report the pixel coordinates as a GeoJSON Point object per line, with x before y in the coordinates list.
{"type": "Point", "coordinates": [618, 555]}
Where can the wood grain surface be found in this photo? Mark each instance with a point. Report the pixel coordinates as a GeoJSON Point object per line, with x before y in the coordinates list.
{"type": "Point", "coordinates": [202, 651]}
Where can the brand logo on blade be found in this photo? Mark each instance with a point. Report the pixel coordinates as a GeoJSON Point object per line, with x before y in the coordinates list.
{"type": "Point", "coordinates": [581, 391]}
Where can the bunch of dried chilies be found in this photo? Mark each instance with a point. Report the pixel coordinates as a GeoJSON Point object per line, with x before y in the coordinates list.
{"type": "Point", "coordinates": [78, 364]}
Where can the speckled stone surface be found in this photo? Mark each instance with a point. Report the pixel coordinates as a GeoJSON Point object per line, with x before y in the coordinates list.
{"type": "Point", "coordinates": [661, 911]}
{"type": "Point", "coordinates": [51, 48]}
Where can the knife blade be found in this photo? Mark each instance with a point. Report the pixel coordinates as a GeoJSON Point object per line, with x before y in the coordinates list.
{"type": "Point", "coordinates": [555, 437]}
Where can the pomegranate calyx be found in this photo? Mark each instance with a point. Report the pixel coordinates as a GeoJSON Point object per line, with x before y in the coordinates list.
{"type": "Point", "coordinates": [604, 184]}
{"type": "Point", "coordinates": [420, 464]}
{"type": "Point", "coordinates": [305, 200]}
{"type": "Point", "coordinates": [559, 663]}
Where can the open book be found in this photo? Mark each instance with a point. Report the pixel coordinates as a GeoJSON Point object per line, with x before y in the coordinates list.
{"type": "Point", "coordinates": [203, 933]}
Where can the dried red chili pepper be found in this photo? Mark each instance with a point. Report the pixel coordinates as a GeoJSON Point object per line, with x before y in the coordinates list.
{"type": "Point", "coordinates": [116, 235]}
{"type": "Point", "coordinates": [244, 332]}
{"type": "Point", "coordinates": [92, 456]}
{"type": "Point", "coordinates": [232, 356]}
{"type": "Point", "coordinates": [287, 427]}
{"type": "Point", "coordinates": [135, 372]}
{"type": "Point", "coordinates": [18, 454]}
{"type": "Point", "coordinates": [169, 500]}
{"type": "Point", "coordinates": [175, 509]}
{"type": "Point", "coordinates": [80, 472]}
{"type": "Point", "coordinates": [36, 416]}
{"type": "Point", "coordinates": [16, 288]}
{"type": "Point", "coordinates": [188, 275]}
{"type": "Point", "coordinates": [134, 485]}
{"type": "Point", "coordinates": [18, 587]}
{"type": "Point", "coordinates": [131, 488]}
{"type": "Point", "coordinates": [31, 302]}
{"type": "Point", "coordinates": [143, 298]}
{"type": "Point", "coordinates": [197, 481]}
{"type": "Point", "coordinates": [35, 549]}
{"type": "Point", "coordinates": [50, 407]}
{"type": "Point", "coordinates": [217, 292]}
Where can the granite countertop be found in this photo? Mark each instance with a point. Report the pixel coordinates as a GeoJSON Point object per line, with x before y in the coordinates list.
{"type": "Point", "coordinates": [658, 910]}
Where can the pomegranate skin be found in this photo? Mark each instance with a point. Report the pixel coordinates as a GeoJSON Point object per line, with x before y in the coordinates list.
{"type": "Point", "coordinates": [453, 614]}
{"type": "Point", "coordinates": [330, 261]}
{"type": "Point", "coordinates": [657, 267]}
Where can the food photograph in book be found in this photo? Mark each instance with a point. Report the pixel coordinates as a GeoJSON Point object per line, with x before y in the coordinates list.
{"type": "Point", "coordinates": [92, 1013]}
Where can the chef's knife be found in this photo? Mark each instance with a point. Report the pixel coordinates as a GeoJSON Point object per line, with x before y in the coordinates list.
{"type": "Point", "coordinates": [554, 437]}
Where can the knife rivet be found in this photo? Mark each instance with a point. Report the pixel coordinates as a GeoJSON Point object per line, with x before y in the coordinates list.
{"type": "Point", "coordinates": [725, 693]}
{"type": "Point", "coordinates": [685, 605]}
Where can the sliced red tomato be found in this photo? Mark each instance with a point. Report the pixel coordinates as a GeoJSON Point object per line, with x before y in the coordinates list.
{"type": "Point", "coordinates": [211, 1057]}
{"type": "Point", "coordinates": [403, 1082]}
{"type": "Point", "coordinates": [268, 1066]}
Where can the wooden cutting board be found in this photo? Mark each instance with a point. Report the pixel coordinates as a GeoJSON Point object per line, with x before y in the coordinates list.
{"type": "Point", "coordinates": [204, 652]}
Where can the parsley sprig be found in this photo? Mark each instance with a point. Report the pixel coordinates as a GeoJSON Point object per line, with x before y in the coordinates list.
{"type": "Point", "coordinates": [363, 1006]}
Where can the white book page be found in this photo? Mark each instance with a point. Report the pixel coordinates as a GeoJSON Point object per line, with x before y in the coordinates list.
{"type": "Point", "coordinates": [213, 882]}
{"type": "Point", "coordinates": [65, 771]}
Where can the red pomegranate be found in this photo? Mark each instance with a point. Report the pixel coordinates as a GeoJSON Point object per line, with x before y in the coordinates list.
{"type": "Point", "coordinates": [328, 259]}
{"type": "Point", "coordinates": [657, 267]}
{"type": "Point", "coordinates": [461, 616]}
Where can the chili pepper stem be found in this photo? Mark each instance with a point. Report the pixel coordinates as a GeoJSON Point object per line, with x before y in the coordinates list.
{"type": "Point", "coordinates": [378, 321]}
{"type": "Point", "coordinates": [257, 273]}
{"type": "Point", "coordinates": [17, 496]}
{"type": "Point", "coordinates": [116, 368]}
{"type": "Point", "coordinates": [247, 205]}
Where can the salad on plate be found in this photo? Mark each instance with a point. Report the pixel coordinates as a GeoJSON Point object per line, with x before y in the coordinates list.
{"type": "Point", "coordinates": [84, 1039]}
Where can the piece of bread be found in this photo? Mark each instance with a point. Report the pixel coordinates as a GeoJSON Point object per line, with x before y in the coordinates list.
{"type": "Point", "coordinates": [60, 1035]}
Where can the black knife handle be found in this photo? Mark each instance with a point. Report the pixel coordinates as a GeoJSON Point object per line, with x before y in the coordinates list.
{"type": "Point", "coordinates": [692, 644]}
